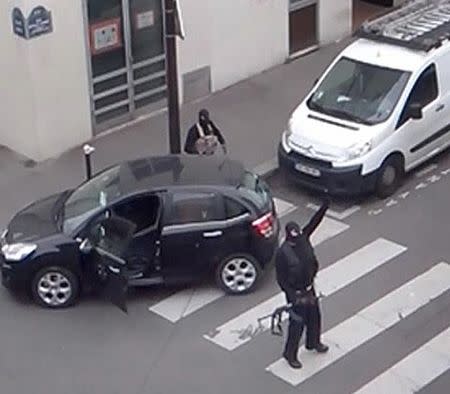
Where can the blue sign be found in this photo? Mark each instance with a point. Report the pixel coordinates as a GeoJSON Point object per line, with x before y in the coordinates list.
{"type": "Point", "coordinates": [39, 22]}
{"type": "Point", "coordinates": [19, 23]}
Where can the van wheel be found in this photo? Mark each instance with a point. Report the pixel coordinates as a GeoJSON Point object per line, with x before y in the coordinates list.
{"type": "Point", "coordinates": [389, 177]}
{"type": "Point", "coordinates": [238, 274]}
{"type": "Point", "coordinates": [55, 287]}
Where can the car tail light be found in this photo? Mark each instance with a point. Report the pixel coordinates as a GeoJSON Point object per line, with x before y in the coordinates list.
{"type": "Point", "coordinates": [264, 225]}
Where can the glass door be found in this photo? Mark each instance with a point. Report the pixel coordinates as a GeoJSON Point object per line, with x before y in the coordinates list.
{"type": "Point", "coordinates": [127, 59]}
{"type": "Point", "coordinates": [147, 52]}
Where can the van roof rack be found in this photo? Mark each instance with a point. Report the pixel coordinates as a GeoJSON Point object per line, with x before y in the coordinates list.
{"type": "Point", "coordinates": [418, 24]}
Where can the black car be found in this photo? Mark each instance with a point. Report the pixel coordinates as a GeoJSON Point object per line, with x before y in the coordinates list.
{"type": "Point", "coordinates": [190, 217]}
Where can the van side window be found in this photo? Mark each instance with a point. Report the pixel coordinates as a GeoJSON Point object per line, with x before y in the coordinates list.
{"type": "Point", "coordinates": [424, 91]}
{"type": "Point", "coordinates": [233, 208]}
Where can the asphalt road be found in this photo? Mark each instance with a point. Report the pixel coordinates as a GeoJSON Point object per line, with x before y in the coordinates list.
{"type": "Point", "coordinates": [386, 284]}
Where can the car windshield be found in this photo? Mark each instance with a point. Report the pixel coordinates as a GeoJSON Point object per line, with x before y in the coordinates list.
{"type": "Point", "coordinates": [89, 197]}
{"type": "Point", "coordinates": [255, 189]}
{"type": "Point", "coordinates": [359, 92]}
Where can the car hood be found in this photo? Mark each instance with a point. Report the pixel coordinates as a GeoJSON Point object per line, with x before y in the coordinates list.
{"type": "Point", "coordinates": [318, 135]}
{"type": "Point", "coordinates": [37, 220]}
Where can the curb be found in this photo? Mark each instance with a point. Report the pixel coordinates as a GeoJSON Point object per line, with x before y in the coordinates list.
{"type": "Point", "coordinates": [267, 168]}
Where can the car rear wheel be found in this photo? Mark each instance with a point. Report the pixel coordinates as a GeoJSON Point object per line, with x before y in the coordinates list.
{"type": "Point", "coordinates": [55, 287]}
{"type": "Point", "coordinates": [389, 177]}
{"type": "Point", "coordinates": [238, 274]}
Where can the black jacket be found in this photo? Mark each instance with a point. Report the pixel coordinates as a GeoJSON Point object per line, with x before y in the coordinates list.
{"type": "Point", "coordinates": [296, 266]}
{"type": "Point", "coordinates": [193, 136]}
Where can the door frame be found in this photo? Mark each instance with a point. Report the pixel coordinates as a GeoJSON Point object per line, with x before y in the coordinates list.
{"type": "Point", "coordinates": [298, 5]}
{"type": "Point", "coordinates": [128, 70]}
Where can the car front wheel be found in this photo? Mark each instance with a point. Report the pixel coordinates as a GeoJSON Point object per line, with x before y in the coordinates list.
{"type": "Point", "coordinates": [55, 287]}
{"type": "Point", "coordinates": [389, 177]}
{"type": "Point", "coordinates": [238, 274]}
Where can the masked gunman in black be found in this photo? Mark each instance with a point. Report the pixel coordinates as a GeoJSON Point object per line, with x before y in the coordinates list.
{"type": "Point", "coordinates": [204, 137]}
{"type": "Point", "coordinates": [296, 268]}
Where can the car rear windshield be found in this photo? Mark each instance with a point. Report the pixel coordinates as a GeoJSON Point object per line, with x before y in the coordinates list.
{"type": "Point", "coordinates": [256, 190]}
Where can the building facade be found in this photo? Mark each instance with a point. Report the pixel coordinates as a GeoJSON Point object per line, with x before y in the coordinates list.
{"type": "Point", "coordinates": [73, 69]}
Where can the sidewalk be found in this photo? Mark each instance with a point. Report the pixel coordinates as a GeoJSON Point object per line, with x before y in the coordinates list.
{"type": "Point", "coordinates": [251, 114]}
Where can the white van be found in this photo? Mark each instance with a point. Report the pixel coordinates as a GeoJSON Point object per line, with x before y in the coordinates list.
{"type": "Point", "coordinates": [380, 109]}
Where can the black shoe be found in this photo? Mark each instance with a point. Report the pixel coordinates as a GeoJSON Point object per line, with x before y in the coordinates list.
{"type": "Point", "coordinates": [293, 362]}
{"type": "Point", "coordinates": [321, 348]}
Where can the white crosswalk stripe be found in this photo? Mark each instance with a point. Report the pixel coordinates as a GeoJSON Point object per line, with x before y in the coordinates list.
{"type": "Point", "coordinates": [185, 302]}
{"type": "Point", "coordinates": [368, 323]}
{"type": "Point", "coordinates": [415, 371]}
{"type": "Point", "coordinates": [244, 327]}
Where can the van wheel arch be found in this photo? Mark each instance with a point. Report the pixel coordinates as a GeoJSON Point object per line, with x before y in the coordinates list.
{"type": "Point", "coordinates": [390, 175]}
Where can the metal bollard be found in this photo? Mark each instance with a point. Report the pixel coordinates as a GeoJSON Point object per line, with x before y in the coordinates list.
{"type": "Point", "coordinates": [88, 149]}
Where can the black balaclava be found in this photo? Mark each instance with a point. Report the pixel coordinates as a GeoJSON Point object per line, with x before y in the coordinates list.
{"type": "Point", "coordinates": [292, 232]}
{"type": "Point", "coordinates": [203, 118]}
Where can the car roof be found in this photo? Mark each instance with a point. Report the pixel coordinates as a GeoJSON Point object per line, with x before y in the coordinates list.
{"type": "Point", "coordinates": [164, 172]}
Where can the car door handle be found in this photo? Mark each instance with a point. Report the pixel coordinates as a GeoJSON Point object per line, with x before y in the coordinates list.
{"type": "Point", "coordinates": [212, 234]}
{"type": "Point", "coordinates": [440, 107]}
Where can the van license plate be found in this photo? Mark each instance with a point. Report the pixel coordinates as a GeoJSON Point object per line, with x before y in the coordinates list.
{"type": "Point", "coordinates": [307, 170]}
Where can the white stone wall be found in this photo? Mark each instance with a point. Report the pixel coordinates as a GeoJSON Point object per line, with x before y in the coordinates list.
{"type": "Point", "coordinates": [47, 99]}
{"type": "Point", "coordinates": [236, 38]}
{"type": "Point", "coordinates": [334, 20]}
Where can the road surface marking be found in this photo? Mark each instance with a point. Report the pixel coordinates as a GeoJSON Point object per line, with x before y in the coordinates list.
{"type": "Point", "coordinates": [245, 327]}
{"type": "Point", "coordinates": [336, 215]}
{"type": "Point", "coordinates": [283, 207]}
{"type": "Point", "coordinates": [426, 170]}
{"type": "Point", "coordinates": [368, 323]}
{"type": "Point", "coordinates": [185, 302]}
{"type": "Point", "coordinates": [415, 371]}
{"type": "Point", "coordinates": [421, 185]}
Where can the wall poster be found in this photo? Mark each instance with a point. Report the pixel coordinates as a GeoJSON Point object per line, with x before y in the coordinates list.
{"type": "Point", "coordinates": [105, 35]}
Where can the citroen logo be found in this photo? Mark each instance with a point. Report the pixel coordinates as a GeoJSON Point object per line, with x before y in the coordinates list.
{"type": "Point", "coordinates": [310, 150]}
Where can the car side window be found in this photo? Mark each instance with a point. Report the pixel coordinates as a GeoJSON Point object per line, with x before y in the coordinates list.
{"type": "Point", "coordinates": [424, 92]}
{"type": "Point", "coordinates": [233, 208]}
{"type": "Point", "coordinates": [193, 208]}
{"type": "Point", "coordinates": [142, 211]}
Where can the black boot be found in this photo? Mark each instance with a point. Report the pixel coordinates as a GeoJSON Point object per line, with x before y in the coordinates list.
{"type": "Point", "coordinates": [320, 348]}
{"type": "Point", "coordinates": [292, 361]}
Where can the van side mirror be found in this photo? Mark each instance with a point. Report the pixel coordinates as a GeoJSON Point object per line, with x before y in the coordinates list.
{"type": "Point", "coordinates": [415, 111]}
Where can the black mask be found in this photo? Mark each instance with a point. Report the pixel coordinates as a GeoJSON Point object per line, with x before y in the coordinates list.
{"type": "Point", "coordinates": [203, 117]}
{"type": "Point", "coordinates": [292, 232]}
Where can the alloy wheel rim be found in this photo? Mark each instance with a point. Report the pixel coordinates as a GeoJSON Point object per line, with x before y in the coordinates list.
{"type": "Point", "coordinates": [54, 289]}
{"type": "Point", "coordinates": [239, 274]}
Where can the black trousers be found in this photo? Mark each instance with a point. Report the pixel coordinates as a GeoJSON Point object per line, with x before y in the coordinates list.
{"type": "Point", "coordinates": [311, 318]}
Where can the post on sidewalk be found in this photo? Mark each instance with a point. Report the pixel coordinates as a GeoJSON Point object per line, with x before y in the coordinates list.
{"type": "Point", "coordinates": [173, 27]}
{"type": "Point", "coordinates": [88, 150]}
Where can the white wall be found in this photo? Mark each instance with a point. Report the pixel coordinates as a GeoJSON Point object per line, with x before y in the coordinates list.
{"type": "Point", "coordinates": [47, 98]}
{"type": "Point", "coordinates": [17, 115]}
{"type": "Point", "coordinates": [249, 36]}
{"type": "Point", "coordinates": [334, 20]}
{"type": "Point", "coordinates": [236, 38]}
{"type": "Point", "coordinates": [59, 76]}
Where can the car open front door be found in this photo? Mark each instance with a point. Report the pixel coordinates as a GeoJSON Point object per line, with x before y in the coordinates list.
{"type": "Point", "coordinates": [114, 237]}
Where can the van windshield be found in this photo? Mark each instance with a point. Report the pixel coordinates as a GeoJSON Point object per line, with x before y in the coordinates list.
{"type": "Point", "coordinates": [359, 92]}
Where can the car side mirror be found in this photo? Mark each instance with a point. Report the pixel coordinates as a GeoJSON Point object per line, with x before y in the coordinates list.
{"type": "Point", "coordinates": [85, 246]}
{"type": "Point", "coordinates": [415, 111]}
